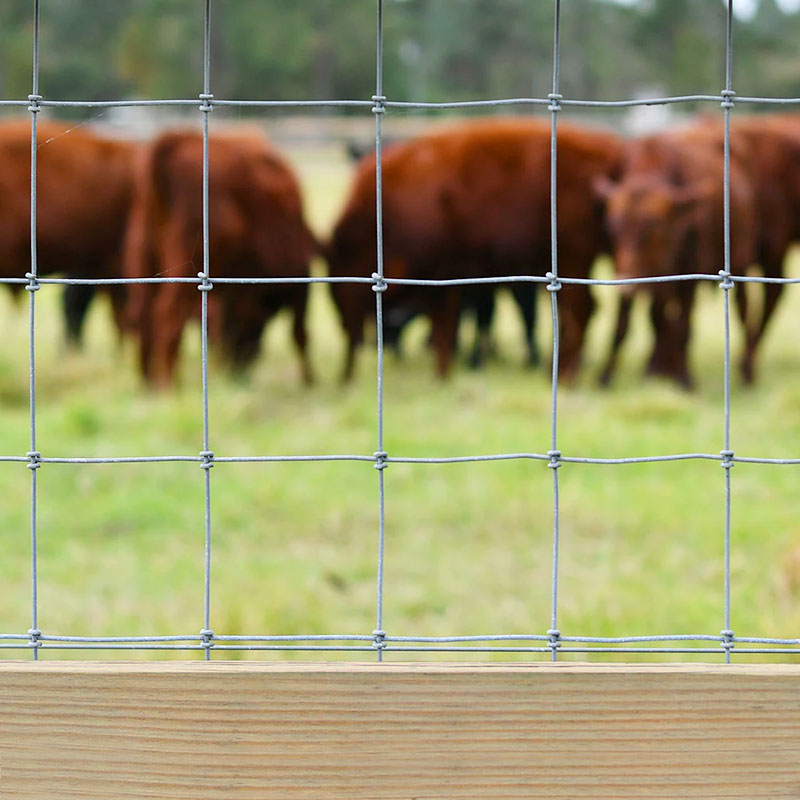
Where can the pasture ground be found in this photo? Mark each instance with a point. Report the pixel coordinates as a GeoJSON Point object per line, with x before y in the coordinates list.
{"type": "Point", "coordinates": [468, 546]}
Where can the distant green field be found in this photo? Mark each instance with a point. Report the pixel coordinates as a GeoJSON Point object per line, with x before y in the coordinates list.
{"type": "Point", "coordinates": [468, 546]}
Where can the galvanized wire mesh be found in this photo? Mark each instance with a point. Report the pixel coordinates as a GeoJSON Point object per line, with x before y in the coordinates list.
{"type": "Point", "coordinates": [550, 641]}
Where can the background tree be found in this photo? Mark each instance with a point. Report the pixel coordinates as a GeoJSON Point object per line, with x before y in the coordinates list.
{"type": "Point", "coordinates": [434, 50]}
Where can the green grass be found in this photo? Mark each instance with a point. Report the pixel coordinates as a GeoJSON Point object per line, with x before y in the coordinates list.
{"type": "Point", "coordinates": [468, 546]}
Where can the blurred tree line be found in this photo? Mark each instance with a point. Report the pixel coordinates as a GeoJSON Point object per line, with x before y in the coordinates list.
{"type": "Point", "coordinates": [434, 49]}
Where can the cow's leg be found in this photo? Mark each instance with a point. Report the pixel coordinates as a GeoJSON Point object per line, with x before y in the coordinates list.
{"type": "Point", "coordinates": [117, 296]}
{"type": "Point", "coordinates": [444, 325]}
{"type": "Point", "coordinates": [575, 308]}
{"type": "Point", "coordinates": [773, 267]}
{"type": "Point", "coordinates": [75, 301]}
{"type": "Point", "coordinates": [621, 330]}
{"type": "Point", "coordinates": [744, 312]}
{"type": "Point", "coordinates": [139, 320]}
{"type": "Point", "coordinates": [174, 303]}
{"type": "Point", "coordinates": [355, 338]}
{"type": "Point", "coordinates": [238, 319]}
{"type": "Point", "coordinates": [173, 306]}
{"type": "Point", "coordinates": [139, 260]}
{"type": "Point", "coordinates": [661, 359]}
{"type": "Point", "coordinates": [394, 321]}
{"type": "Point", "coordinates": [352, 305]}
{"type": "Point", "coordinates": [670, 313]}
{"type": "Point", "coordinates": [482, 300]}
{"type": "Point", "coordinates": [772, 293]}
{"type": "Point", "coordinates": [686, 295]}
{"type": "Point", "coordinates": [525, 295]}
{"type": "Point", "coordinates": [146, 350]}
{"type": "Point", "coordinates": [300, 335]}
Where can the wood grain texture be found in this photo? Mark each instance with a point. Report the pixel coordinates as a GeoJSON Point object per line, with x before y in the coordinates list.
{"type": "Point", "coordinates": [249, 730]}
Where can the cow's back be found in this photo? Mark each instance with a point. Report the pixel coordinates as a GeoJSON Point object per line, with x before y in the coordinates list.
{"type": "Point", "coordinates": [476, 197]}
{"type": "Point", "coordinates": [773, 143]}
{"type": "Point", "coordinates": [84, 184]}
{"type": "Point", "coordinates": [504, 190]}
{"type": "Point", "coordinates": [255, 219]}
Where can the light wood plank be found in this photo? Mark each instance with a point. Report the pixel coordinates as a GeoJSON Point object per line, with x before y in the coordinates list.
{"type": "Point", "coordinates": [249, 730]}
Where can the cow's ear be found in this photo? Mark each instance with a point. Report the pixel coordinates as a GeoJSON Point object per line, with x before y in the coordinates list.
{"type": "Point", "coordinates": [603, 186]}
{"type": "Point", "coordinates": [687, 198]}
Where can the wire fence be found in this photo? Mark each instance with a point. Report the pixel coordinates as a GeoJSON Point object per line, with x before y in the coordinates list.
{"type": "Point", "coordinates": [379, 641]}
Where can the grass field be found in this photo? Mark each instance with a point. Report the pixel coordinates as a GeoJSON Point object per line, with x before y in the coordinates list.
{"type": "Point", "coordinates": [468, 546]}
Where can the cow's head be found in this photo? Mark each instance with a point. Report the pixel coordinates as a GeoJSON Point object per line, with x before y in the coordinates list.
{"type": "Point", "coordinates": [648, 219]}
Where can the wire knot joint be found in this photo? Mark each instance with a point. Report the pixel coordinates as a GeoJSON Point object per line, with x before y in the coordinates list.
{"type": "Point", "coordinates": [379, 639]}
{"type": "Point", "coordinates": [380, 459]}
{"type": "Point", "coordinates": [727, 642]}
{"type": "Point", "coordinates": [33, 283]}
{"type": "Point", "coordinates": [379, 107]}
{"type": "Point", "coordinates": [555, 459]}
{"type": "Point", "coordinates": [207, 636]}
{"type": "Point", "coordinates": [555, 283]}
{"type": "Point", "coordinates": [727, 283]}
{"type": "Point", "coordinates": [727, 459]}
{"type": "Point", "coordinates": [206, 102]}
{"type": "Point", "coordinates": [380, 284]}
{"type": "Point", "coordinates": [554, 638]}
{"type": "Point", "coordinates": [555, 101]}
{"type": "Point", "coordinates": [34, 459]}
{"type": "Point", "coordinates": [35, 635]}
{"type": "Point", "coordinates": [34, 100]}
{"type": "Point", "coordinates": [205, 284]}
{"type": "Point", "coordinates": [208, 459]}
{"type": "Point", "coordinates": [727, 98]}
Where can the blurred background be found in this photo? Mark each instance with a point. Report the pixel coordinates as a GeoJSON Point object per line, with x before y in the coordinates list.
{"type": "Point", "coordinates": [469, 546]}
{"type": "Point", "coordinates": [434, 51]}
{"type": "Point", "coordinates": [457, 50]}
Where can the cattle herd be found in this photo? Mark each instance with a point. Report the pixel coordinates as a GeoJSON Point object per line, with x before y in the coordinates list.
{"type": "Point", "coordinates": [470, 200]}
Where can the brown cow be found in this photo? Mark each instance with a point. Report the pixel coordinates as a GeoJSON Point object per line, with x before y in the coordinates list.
{"type": "Point", "coordinates": [83, 195]}
{"type": "Point", "coordinates": [666, 217]}
{"type": "Point", "coordinates": [765, 151]}
{"type": "Point", "coordinates": [473, 200]}
{"type": "Point", "coordinates": [772, 162]}
{"type": "Point", "coordinates": [256, 230]}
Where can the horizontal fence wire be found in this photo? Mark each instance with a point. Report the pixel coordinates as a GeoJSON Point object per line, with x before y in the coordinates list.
{"type": "Point", "coordinates": [379, 641]}
{"type": "Point", "coordinates": [722, 457]}
{"type": "Point", "coordinates": [506, 643]}
{"type": "Point", "coordinates": [402, 104]}
{"type": "Point", "coordinates": [433, 282]}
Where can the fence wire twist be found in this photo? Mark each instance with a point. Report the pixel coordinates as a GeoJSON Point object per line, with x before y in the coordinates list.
{"type": "Point", "coordinates": [379, 641]}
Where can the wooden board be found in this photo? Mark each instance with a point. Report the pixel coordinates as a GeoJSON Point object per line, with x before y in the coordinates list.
{"type": "Point", "coordinates": [250, 730]}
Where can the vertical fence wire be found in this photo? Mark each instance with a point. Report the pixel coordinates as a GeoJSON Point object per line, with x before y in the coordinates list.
{"type": "Point", "coordinates": [32, 286]}
{"type": "Point", "coordinates": [727, 285]}
{"type": "Point", "coordinates": [379, 287]}
{"type": "Point", "coordinates": [553, 286]}
{"type": "Point", "coordinates": [207, 455]}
